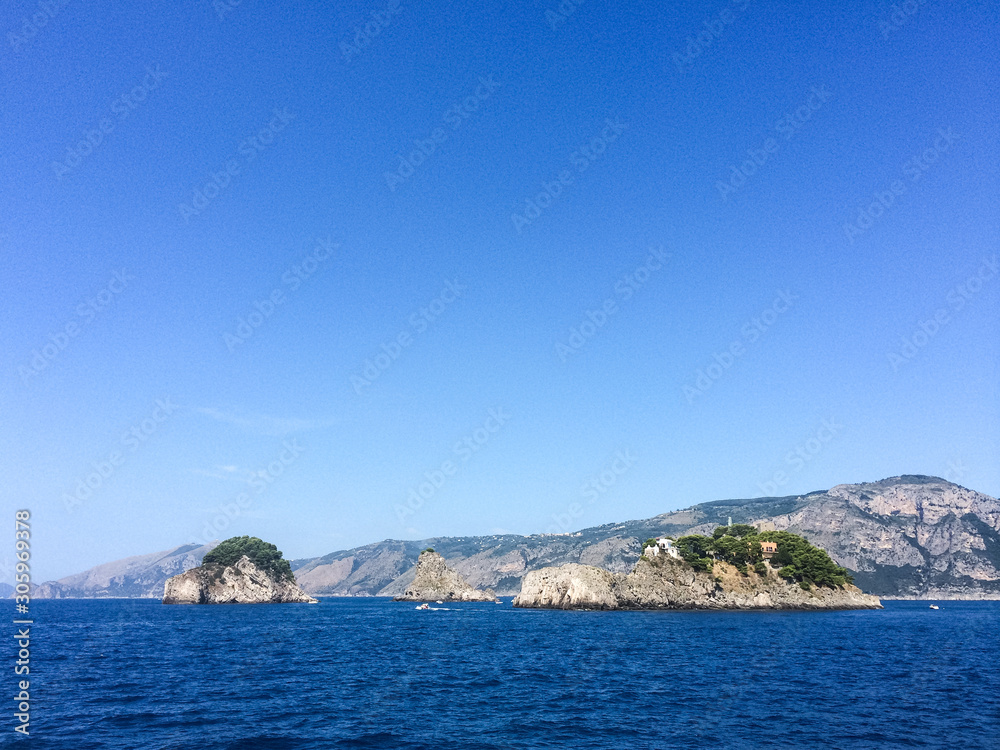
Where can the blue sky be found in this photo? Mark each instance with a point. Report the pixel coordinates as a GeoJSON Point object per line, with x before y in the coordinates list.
{"type": "Point", "coordinates": [328, 275]}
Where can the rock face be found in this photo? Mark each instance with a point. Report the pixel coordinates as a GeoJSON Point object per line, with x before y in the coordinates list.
{"type": "Point", "coordinates": [569, 586]}
{"type": "Point", "coordinates": [672, 584]}
{"type": "Point", "coordinates": [905, 537]}
{"type": "Point", "coordinates": [241, 583]}
{"type": "Point", "coordinates": [435, 581]}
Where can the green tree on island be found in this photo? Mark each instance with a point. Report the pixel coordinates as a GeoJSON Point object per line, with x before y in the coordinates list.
{"type": "Point", "coordinates": [697, 551]}
{"type": "Point", "coordinates": [801, 561]}
{"type": "Point", "coordinates": [739, 545]}
{"type": "Point", "coordinates": [264, 555]}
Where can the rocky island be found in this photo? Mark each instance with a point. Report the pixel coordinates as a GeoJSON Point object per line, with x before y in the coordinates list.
{"type": "Point", "coordinates": [736, 568]}
{"type": "Point", "coordinates": [435, 581]}
{"type": "Point", "coordinates": [241, 570]}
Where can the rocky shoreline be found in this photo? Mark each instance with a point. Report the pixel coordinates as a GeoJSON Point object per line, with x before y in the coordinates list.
{"type": "Point", "coordinates": [674, 585]}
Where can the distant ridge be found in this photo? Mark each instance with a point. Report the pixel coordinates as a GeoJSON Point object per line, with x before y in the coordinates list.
{"type": "Point", "coordinates": [910, 536]}
{"type": "Point", "coordinates": [137, 577]}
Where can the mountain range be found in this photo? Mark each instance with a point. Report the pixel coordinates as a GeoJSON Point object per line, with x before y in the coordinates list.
{"type": "Point", "coordinates": [909, 536]}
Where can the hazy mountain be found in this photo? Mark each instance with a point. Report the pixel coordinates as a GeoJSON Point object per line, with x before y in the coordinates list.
{"type": "Point", "coordinates": [133, 577]}
{"type": "Point", "coordinates": [904, 536]}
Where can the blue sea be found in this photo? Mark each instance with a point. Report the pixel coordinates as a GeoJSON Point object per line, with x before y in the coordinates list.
{"type": "Point", "coordinates": [371, 673]}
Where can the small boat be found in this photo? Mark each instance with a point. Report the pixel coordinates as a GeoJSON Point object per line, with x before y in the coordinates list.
{"type": "Point", "coordinates": [439, 602]}
{"type": "Point", "coordinates": [425, 605]}
{"type": "Point", "coordinates": [497, 601]}
{"type": "Point", "coordinates": [934, 606]}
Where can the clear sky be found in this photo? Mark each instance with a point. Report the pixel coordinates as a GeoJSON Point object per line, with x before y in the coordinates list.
{"type": "Point", "coordinates": [333, 273]}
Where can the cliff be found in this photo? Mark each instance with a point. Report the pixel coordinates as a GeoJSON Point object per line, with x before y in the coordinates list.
{"type": "Point", "coordinates": [672, 584]}
{"type": "Point", "coordinates": [435, 581]}
{"type": "Point", "coordinates": [240, 583]}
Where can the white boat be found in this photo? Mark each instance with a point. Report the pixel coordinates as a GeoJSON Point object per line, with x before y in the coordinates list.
{"type": "Point", "coordinates": [934, 606]}
{"type": "Point", "coordinates": [425, 605]}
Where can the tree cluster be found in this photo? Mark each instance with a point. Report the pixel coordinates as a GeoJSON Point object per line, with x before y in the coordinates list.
{"type": "Point", "coordinates": [264, 555]}
{"type": "Point", "coordinates": [739, 545]}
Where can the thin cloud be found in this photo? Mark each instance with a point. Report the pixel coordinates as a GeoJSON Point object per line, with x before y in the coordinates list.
{"type": "Point", "coordinates": [226, 473]}
{"type": "Point", "coordinates": [264, 424]}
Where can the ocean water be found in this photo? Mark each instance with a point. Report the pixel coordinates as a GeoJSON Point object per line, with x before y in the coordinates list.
{"type": "Point", "coordinates": [371, 673]}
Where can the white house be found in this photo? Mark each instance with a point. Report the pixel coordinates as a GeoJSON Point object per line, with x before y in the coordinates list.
{"type": "Point", "coordinates": [663, 546]}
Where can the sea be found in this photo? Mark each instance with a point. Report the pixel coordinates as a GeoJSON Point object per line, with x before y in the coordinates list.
{"type": "Point", "coordinates": [372, 673]}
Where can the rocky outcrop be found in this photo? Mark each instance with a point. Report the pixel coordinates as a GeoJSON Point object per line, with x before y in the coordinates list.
{"type": "Point", "coordinates": [240, 583]}
{"type": "Point", "coordinates": [672, 584]}
{"type": "Point", "coordinates": [569, 586]}
{"type": "Point", "coordinates": [435, 581]}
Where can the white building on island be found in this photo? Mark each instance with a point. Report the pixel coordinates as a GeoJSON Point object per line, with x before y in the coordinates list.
{"type": "Point", "coordinates": [664, 546]}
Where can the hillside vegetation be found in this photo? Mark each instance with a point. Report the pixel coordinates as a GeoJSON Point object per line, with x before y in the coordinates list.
{"type": "Point", "coordinates": [739, 545]}
{"type": "Point", "coordinates": [264, 555]}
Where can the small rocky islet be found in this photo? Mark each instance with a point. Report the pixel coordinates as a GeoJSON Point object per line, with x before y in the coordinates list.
{"type": "Point", "coordinates": [434, 581]}
{"type": "Point", "coordinates": [240, 570]}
